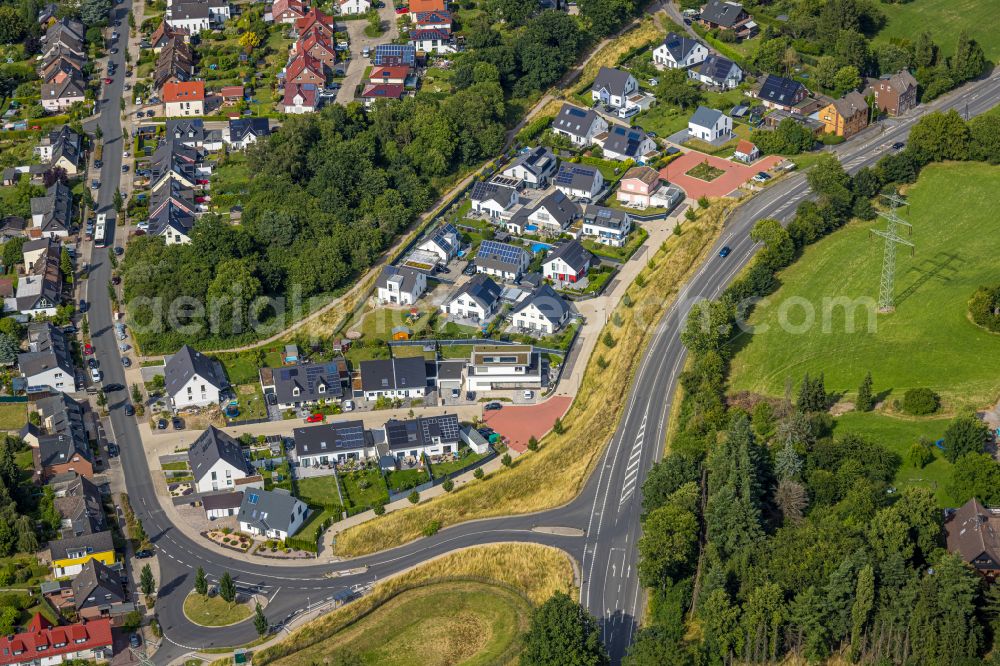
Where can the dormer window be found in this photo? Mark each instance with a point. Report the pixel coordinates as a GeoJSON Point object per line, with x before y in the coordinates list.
{"type": "Point", "coordinates": [321, 388]}
{"type": "Point", "coordinates": [296, 391]}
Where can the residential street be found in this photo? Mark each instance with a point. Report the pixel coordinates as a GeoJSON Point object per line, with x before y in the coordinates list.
{"type": "Point", "coordinates": [359, 40]}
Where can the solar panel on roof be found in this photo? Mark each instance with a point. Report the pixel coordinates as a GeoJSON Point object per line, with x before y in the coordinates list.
{"type": "Point", "coordinates": [500, 251]}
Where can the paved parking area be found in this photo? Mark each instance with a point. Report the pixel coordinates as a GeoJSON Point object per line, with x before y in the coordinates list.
{"type": "Point", "coordinates": [736, 174]}
{"type": "Point", "coordinates": [520, 423]}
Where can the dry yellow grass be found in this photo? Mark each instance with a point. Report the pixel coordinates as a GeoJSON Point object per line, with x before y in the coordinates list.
{"type": "Point", "coordinates": [535, 571]}
{"type": "Point", "coordinates": [555, 473]}
{"type": "Point", "coordinates": [648, 30]}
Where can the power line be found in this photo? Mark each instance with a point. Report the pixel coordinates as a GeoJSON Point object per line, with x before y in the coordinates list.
{"type": "Point", "coordinates": [887, 283]}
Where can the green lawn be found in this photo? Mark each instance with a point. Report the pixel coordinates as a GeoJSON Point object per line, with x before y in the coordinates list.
{"type": "Point", "coordinates": [705, 171]}
{"type": "Point", "coordinates": [13, 415]}
{"type": "Point", "coordinates": [364, 488]}
{"type": "Point", "coordinates": [213, 611]}
{"type": "Point", "coordinates": [319, 491]}
{"type": "Point", "coordinates": [251, 401]}
{"type": "Point", "coordinates": [665, 119]}
{"type": "Point", "coordinates": [928, 341]}
{"type": "Point", "coordinates": [175, 466]}
{"type": "Point", "coordinates": [945, 19]}
{"type": "Point", "coordinates": [449, 623]}
{"type": "Point", "coordinates": [405, 479]}
{"type": "Point", "coordinates": [240, 368]}
{"type": "Point", "coordinates": [466, 457]}
{"type": "Point", "coordinates": [898, 435]}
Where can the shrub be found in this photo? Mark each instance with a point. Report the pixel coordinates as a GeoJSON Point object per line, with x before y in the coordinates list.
{"type": "Point", "coordinates": [432, 528]}
{"type": "Point", "coordinates": [507, 460]}
{"type": "Point", "coordinates": [414, 497]}
{"type": "Point", "coordinates": [479, 473]}
{"type": "Point", "coordinates": [378, 508]}
{"type": "Point", "coordinates": [532, 443]}
{"type": "Point", "coordinates": [448, 486]}
{"type": "Point", "coordinates": [921, 401]}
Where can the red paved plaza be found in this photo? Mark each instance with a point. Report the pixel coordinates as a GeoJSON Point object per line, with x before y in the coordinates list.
{"type": "Point", "coordinates": [520, 423]}
{"type": "Point", "coordinates": [736, 174]}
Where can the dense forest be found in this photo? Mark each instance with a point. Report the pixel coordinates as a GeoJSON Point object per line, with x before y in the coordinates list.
{"type": "Point", "coordinates": [804, 546]}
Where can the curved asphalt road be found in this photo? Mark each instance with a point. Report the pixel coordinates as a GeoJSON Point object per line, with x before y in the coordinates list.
{"type": "Point", "coordinates": [607, 509]}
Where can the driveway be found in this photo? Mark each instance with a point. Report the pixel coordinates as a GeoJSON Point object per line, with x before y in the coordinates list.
{"type": "Point", "coordinates": [736, 174]}
{"type": "Point", "coordinates": [355, 73]}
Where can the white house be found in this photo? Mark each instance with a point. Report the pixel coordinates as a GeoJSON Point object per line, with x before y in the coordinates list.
{"type": "Point", "coordinates": [542, 313]}
{"type": "Point", "coordinates": [717, 71]}
{"type": "Point", "coordinates": [554, 213]}
{"type": "Point", "coordinates": [678, 51]}
{"type": "Point", "coordinates": [580, 126]}
{"type": "Point", "coordinates": [613, 87]}
{"type": "Point", "coordinates": [579, 181]}
{"type": "Point", "coordinates": [503, 367]}
{"type": "Point", "coordinates": [746, 151]}
{"type": "Point", "coordinates": [243, 132]}
{"type": "Point", "coordinates": [332, 443]}
{"type": "Point", "coordinates": [608, 226]}
{"type": "Point", "coordinates": [217, 461]}
{"type": "Point", "coordinates": [433, 40]}
{"type": "Point", "coordinates": [710, 125]}
{"type": "Point", "coordinates": [533, 167]}
{"type": "Point", "coordinates": [443, 243]}
{"type": "Point", "coordinates": [400, 285]}
{"type": "Point", "coordinates": [476, 300]}
{"type": "Point", "coordinates": [502, 260]}
{"type": "Point", "coordinates": [569, 262]}
{"type": "Point", "coordinates": [426, 435]}
{"type": "Point", "coordinates": [354, 6]}
{"type": "Point", "coordinates": [492, 199]}
{"type": "Point", "coordinates": [394, 378]}
{"type": "Point", "coordinates": [628, 143]}
{"type": "Point", "coordinates": [48, 362]}
{"type": "Point", "coordinates": [273, 514]}
{"type": "Point", "coordinates": [193, 379]}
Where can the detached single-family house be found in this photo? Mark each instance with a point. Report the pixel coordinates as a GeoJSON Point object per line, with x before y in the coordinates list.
{"type": "Point", "coordinates": [354, 6]}
{"type": "Point", "coordinates": [427, 435]}
{"type": "Point", "coordinates": [316, 20]}
{"type": "Point", "coordinates": [478, 300]}
{"type": "Point", "coordinates": [185, 98]}
{"type": "Point", "coordinates": [390, 74]}
{"type": "Point", "coordinates": [287, 11]}
{"type": "Point", "coordinates": [746, 152]}
{"type": "Point", "coordinates": [190, 16]}
{"type": "Point", "coordinates": [99, 592]}
{"type": "Point", "coordinates": [69, 555]}
{"type": "Point", "coordinates": [62, 91]}
{"type": "Point", "coordinates": [613, 87]}
{"type": "Point", "coordinates": [217, 461]}
{"type": "Point", "coordinates": [433, 40]}
{"type": "Point", "coordinates": [641, 187]}
{"type": "Point", "coordinates": [502, 260]}
{"type": "Point", "coordinates": [193, 379]}
{"type": "Point", "coordinates": [492, 199]}
{"type": "Point", "coordinates": [777, 92]}
{"type": "Point", "coordinates": [580, 181]}
{"type": "Point", "coordinates": [569, 262]}
{"type": "Point", "coordinates": [376, 91]}
{"type": "Point", "coordinates": [728, 16]}
{"type": "Point", "coordinates": [894, 94]}
{"type": "Point", "coordinates": [39, 292]}
{"type": "Point", "coordinates": [395, 54]}
{"type": "Point", "coordinates": [678, 52]}
{"type": "Point", "coordinates": [301, 384]}
{"type": "Point", "coordinates": [52, 214]}
{"type": "Point", "coordinates": [332, 443]}
{"type": "Point", "coordinates": [845, 116]}
{"type": "Point", "coordinates": [243, 132]}
{"type": "Point", "coordinates": [973, 533]}
{"type": "Point", "coordinates": [534, 167]}
{"type": "Point", "coordinates": [394, 378]}
{"type": "Point", "coordinates": [608, 226]}
{"type": "Point", "coordinates": [399, 285]}
{"type": "Point", "coordinates": [628, 143]}
{"type": "Point", "coordinates": [48, 363]}
{"type": "Point", "coordinates": [542, 313]}
{"type": "Point", "coordinates": [84, 641]}
{"type": "Point", "coordinates": [273, 514]}
{"type": "Point", "coordinates": [437, 19]}
{"type": "Point", "coordinates": [718, 72]}
{"type": "Point", "coordinates": [710, 125]}
{"type": "Point", "coordinates": [305, 69]}
{"type": "Point", "coordinates": [443, 243]}
{"type": "Point", "coordinates": [503, 367]}
{"type": "Point", "coordinates": [300, 98]}
{"type": "Point", "coordinates": [77, 499]}
{"type": "Point", "coordinates": [554, 213]}
{"type": "Point", "coordinates": [580, 126]}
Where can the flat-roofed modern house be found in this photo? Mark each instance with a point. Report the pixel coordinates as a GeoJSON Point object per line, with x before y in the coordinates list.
{"type": "Point", "coordinates": [332, 443]}
{"type": "Point", "coordinates": [501, 367]}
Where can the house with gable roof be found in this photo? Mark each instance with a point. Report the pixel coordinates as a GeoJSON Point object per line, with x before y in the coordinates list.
{"type": "Point", "coordinates": [217, 461]}
{"type": "Point", "coordinates": [193, 379]}
{"type": "Point", "coordinates": [394, 378]}
{"type": "Point", "coordinates": [777, 92]}
{"type": "Point", "coordinates": [400, 285]}
{"type": "Point", "coordinates": [491, 198]}
{"type": "Point", "coordinates": [301, 384]}
{"type": "Point", "coordinates": [331, 443]}
{"type": "Point", "coordinates": [568, 262]}
{"type": "Point", "coordinates": [613, 87]}
{"type": "Point", "coordinates": [730, 17]}
{"type": "Point", "coordinates": [679, 52]}
{"type": "Point", "coordinates": [502, 260]}
{"type": "Point", "coordinates": [274, 514]}
{"type": "Point", "coordinates": [543, 312]}
{"type": "Point", "coordinates": [477, 300]}
{"type": "Point", "coordinates": [533, 166]}
{"type": "Point", "coordinates": [710, 125]}
{"type": "Point", "coordinates": [580, 126]}
{"type": "Point", "coordinates": [444, 243]}
{"type": "Point", "coordinates": [718, 72]}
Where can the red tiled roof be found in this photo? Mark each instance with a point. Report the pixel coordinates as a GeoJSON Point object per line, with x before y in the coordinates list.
{"type": "Point", "coordinates": [40, 633]}
{"type": "Point", "coordinates": [390, 72]}
{"type": "Point", "coordinates": [417, 6]}
{"type": "Point", "coordinates": [184, 91]}
{"type": "Point", "coordinates": [231, 91]}
{"type": "Point", "coordinates": [315, 37]}
{"type": "Point", "coordinates": [745, 147]}
{"type": "Point", "coordinates": [306, 90]}
{"type": "Point", "coordinates": [314, 17]}
{"type": "Point", "coordinates": [383, 91]}
{"type": "Point", "coordinates": [301, 62]}
{"type": "Point", "coordinates": [281, 6]}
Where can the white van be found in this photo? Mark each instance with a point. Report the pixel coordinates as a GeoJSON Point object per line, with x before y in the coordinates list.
{"type": "Point", "coordinates": [628, 111]}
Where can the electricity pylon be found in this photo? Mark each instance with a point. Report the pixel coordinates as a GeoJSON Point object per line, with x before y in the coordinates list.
{"type": "Point", "coordinates": [886, 288]}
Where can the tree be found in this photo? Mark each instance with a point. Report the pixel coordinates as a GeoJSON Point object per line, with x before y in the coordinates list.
{"type": "Point", "coordinates": [200, 582]}
{"type": "Point", "coordinates": [413, 497]}
{"type": "Point", "coordinates": [9, 349]}
{"type": "Point", "coordinates": [787, 463]}
{"type": "Point", "coordinates": [941, 136]}
{"type": "Point", "coordinates": [865, 400]}
{"type": "Point", "coordinates": [825, 72]}
{"type": "Point", "coordinates": [969, 60]}
{"type": "Point", "coordinates": [227, 588]}
{"type": "Point", "coordinates": [846, 79]}
{"type": "Point", "coordinates": [852, 49]}
{"type": "Point", "coordinates": [965, 434]}
{"type": "Point", "coordinates": [666, 477]}
{"type": "Point", "coordinates": [921, 401]}
{"type": "Point", "coordinates": [479, 473]}
{"type": "Point", "coordinates": [770, 55]}
{"type": "Point", "coordinates": [864, 600]}
{"type": "Point", "coordinates": [924, 51]}
{"type": "Point", "coordinates": [95, 12]}
{"type": "Point", "coordinates": [892, 58]}
{"type": "Point", "coordinates": [985, 138]}
{"type": "Point", "coordinates": [12, 25]}
{"type": "Point", "coordinates": [604, 16]}
{"type": "Point", "coordinates": [250, 40]}
{"type": "Point", "coordinates": [260, 620]}
{"type": "Point", "coordinates": [791, 499]}
{"type": "Point", "coordinates": [512, 12]}
{"type": "Point", "coordinates": [557, 427]}
{"type": "Point", "coordinates": [448, 486]}
{"type": "Point", "coordinates": [812, 395]}
{"type": "Point", "coordinates": [146, 581]}
{"type": "Point", "coordinates": [975, 475]}
{"type": "Point", "coordinates": [374, 28]}
{"type": "Point", "coordinates": [675, 88]}
{"type": "Point", "coordinates": [562, 632]}
{"type": "Point", "coordinates": [118, 201]}
{"type": "Point", "coordinates": [10, 326]}
{"type": "Point", "coordinates": [532, 443]}
{"type": "Point", "coordinates": [669, 543]}
{"type": "Point", "coordinates": [921, 455]}
{"type": "Point", "coordinates": [507, 460]}
{"type": "Point", "coordinates": [66, 265]}
{"type": "Point", "coordinates": [779, 249]}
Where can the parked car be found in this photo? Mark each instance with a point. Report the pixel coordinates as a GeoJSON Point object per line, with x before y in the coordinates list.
{"type": "Point", "coordinates": [88, 349]}
{"type": "Point", "coordinates": [112, 450]}
{"type": "Point", "coordinates": [129, 410]}
{"type": "Point", "coordinates": [470, 269]}
{"type": "Point", "coordinates": [124, 168]}
{"type": "Point", "coordinates": [529, 395]}
{"type": "Point", "coordinates": [93, 363]}
{"type": "Point", "coordinates": [116, 279]}
{"type": "Point", "coordinates": [178, 423]}
{"type": "Point", "coordinates": [455, 393]}
{"type": "Point", "coordinates": [348, 405]}
{"type": "Point", "coordinates": [492, 406]}
{"type": "Point", "coordinates": [119, 251]}
{"type": "Point", "coordinates": [71, 329]}
{"type": "Point", "coordinates": [144, 553]}
{"type": "Point", "coordinates": [107, 80]}
{"type": "Point", "coordinates": [135, 641]}
{"type": "Point", "coordinates": [126, 361]}
{"type": "Point", "coordinates": [98, 164]}
{"type": "Point", "coordinates": [161, 425]}
{"type": "Point", "coordinates": [113, 51]}
{"type": "Point", "coordinates": [95, 374]}
{"type": "Point", "coordinates": [314, 418]}
{"type": "Point", "coordinates": [95, 184]}
{"type": "Point", "coordinates": [124, 347]}
{"type": "Point", "coordinates": [899, 145]}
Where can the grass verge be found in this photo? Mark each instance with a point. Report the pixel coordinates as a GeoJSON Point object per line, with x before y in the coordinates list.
{"type": "Point", "coordinates": [534, 571]}
{"type": "Point", "coordinates": [214, 611]}
{"type": "Point", "coordinates": [555, 474]}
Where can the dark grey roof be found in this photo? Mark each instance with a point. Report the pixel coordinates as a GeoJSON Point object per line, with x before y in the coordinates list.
{"type": "Point", "coordinates": [189, 132]}
{"type": "Point", "coordinates": [574, 120]}
{"type": "Point", "coordinates": [189, 10]}
{"type": "Point", "coordinates": [481, 289]}
{"type": "Point", "coordinates": [538, 161]}
{"type": "Point", "coordinates": [577, 176]}
{"type": "Point", "coordinates": [561, 208]}
{"type": "Point", "coordinates": [314, 381]}
{"type": "Point", "coordinates": [339, 436]}
{"type": "Point", "coordinates": [625, 141]}
{"type": "Point", "coordinates": [241, 128]}
{"type": "Point", "coordinates": [573, 253]}
{"type": "Point", "coordinates": [550, 304]}
{"type": "Point", "coordinates": [531, 279]}
{"type": "Point", "coordinates": [216, 501]}
{"type": "Point", "coordinates": [722, 13]}
{"type": "Point", "coordinates": [779, 90]}
{"type": "Point", "coordinates": [501, 256]}
{"type": "Point", "coordinates": [98, 542]}
{"type": "Point", "coordinates": [56, 208]}
{"type": "Point", "coordinates": [408, 276]}
{"type": "Point", "coordinates": [421, 431]}
{"type": "Point", "coordinates": [79, 502]}
{"type": "Point", "coordinates": [442, 237]}
{"type": "Point", "coordinates": [450, 369]}
{"type": "Point", "coordinates": [679, 46]}
{"type": "Point", "coordinates": [47, 350]}
{"type": "Point", "coordinates": [490, 191]}
{"type": "Point", "coordinates": [96, 585]}
{"type": "Point", "coordinates": [394, 374]}
{"type": "Point", "coordinates": [613, 80]}
{"type": "Point", "coordinates": [70, 86]}
{"type": "Point", "coordinates": [270, 509]}
{"type": "Point", "coordinates": [66, 143]}
{"type": "Point", "coordinates": [214, 445]}
{"type": "Point", "coordinates": [187, 363]}
{"type": "Point", "coordinates": [706, 117]}
{"type": "Point", "coordinates": [716, 68]}
{"type": "Point", "coordinates": [610, 218]}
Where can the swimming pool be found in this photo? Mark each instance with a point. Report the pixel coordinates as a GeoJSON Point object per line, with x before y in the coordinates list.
{"type": "Point", "coordinates": [538, 247]}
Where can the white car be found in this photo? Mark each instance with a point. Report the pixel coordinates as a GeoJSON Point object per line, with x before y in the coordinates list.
{"type": "Point", "coordinates": [628, 112]}
{"type": "Point", "coordinates": [95, 374]}
{"type": "Point", "coordinates": [529, 395]}
{"type": "Point", "coordinates": [348, 405]}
